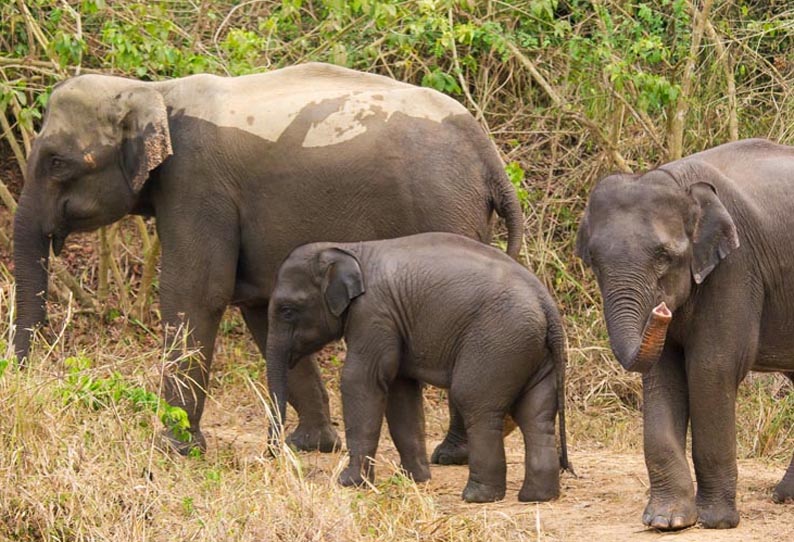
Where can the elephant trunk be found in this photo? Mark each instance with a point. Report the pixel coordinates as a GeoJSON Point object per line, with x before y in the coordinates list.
{"type": "Point", "coordinates": [639, 350]}
{"type": "Point", "coordinates": [31, 260]}
{"type": "Point", "coordinates": [278, 357]}
{"type": "Point", "coordinates": [637, 341]}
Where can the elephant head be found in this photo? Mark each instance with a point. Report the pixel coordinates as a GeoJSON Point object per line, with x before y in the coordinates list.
{"type": "Point", "coordinates": [100, 139]}
{"type": "Point", "coordinates": [308, 307]}
{"type": "Point", "coordinates": [649, 238]}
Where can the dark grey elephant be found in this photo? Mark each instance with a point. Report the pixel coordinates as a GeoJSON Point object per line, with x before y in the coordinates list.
{"type": "Point", "coordinates": [694, 260]}
{"type": "Point", "coordinates": [238, 172]}
{"type": "Point", "coordinates": [435, 308]}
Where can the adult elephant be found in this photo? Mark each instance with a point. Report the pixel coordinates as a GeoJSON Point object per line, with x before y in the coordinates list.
{"type": "Point", "coordinates": [238, 172]}
{"type": "Point", "coordinates": [694, 260]}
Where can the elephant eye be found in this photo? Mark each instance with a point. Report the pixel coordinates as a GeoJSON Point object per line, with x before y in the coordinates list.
{"type": "Point", "coordinates": [58, 166]}
{"type": "Point", "coordinates": [663, 258]}
{"type": "Point", "coordinates": [287, 313]}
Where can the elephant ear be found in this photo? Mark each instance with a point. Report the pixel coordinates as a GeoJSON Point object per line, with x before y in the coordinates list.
{"type": "Point", "coordinates": [342, 280]}
{"type": "Point", "coordinates": [583, 238]}
{"type": "Point", "coordinates": [715, 233]}
{"type": "Point", "coordinates": [146, 141]}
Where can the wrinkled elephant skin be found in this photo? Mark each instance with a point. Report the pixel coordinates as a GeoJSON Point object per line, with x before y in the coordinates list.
{"type": "Point", "coordinates": [431, 308]}
{"type": "Point", "coordinates": [706, 240]}
{"type": "Point", "coordinates": [238, 172]}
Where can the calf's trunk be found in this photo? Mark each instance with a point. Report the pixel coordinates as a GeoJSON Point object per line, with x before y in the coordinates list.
{"type": "Point", "coordinates": [277, 358]}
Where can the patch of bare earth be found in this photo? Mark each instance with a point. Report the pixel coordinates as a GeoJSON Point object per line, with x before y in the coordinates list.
{"type": "Point", "coordinates": [604, 502]}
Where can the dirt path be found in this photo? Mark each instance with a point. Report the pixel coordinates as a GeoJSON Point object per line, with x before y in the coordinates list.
{"type": "Point", "coordinates": [604, 503]}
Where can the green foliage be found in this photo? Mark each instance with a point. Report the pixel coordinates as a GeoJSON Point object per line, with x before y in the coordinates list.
{"type": "Point", "coordinates": [516, 174]}
{"type": "Point", "coordinates": [4, 364]}
{"type": "Point", "coordinates": [150, 47]}
{"type": "Point", "coordinates": [636, 50]}
{"type": "Point", "coordinates": [81, 387]}
{"type": "Point", "coordinates": [441, 81]}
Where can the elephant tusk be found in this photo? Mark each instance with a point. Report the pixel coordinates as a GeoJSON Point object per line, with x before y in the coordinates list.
{"type": "Point", "coordinates": [88, 158]}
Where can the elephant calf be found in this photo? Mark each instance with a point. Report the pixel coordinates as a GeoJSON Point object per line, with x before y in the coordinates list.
{"type": "Point", "coordinates": [436, 308]}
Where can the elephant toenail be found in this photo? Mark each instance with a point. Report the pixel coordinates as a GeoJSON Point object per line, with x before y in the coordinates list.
{"type": "Point", "coordinates": [678, 522]}
{"type": "Point", "coordinates": [660, 522]}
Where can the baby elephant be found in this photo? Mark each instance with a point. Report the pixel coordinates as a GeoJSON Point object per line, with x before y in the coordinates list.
{"type": "Point", "coordinates": [435, 308]}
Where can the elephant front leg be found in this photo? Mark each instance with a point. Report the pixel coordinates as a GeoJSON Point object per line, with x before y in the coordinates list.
{"type": "Point", "coordinates": [364, 391]}
{"type": "Point", "coordinates": [307, 394]}
{"type": "Point", "coordinates": [195, 289]}
{"type": "Point", "coordinates": [665, 419]}
{"type": "Point", "coordinates": [712, 398]}
{"type": "Point", "coordinates": [190, 341]}
{"type": "Point", "coordinates": [406, 417]}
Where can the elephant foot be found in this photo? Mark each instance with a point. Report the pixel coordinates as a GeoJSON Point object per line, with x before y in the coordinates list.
{"type": "Point", "coordinates": [719, 516]}
{"type": "Point", "coordinates": [450, 453]}
{"type": "Point", "coordinates": [418, 473]}
{"type": "Point", "coordinates": [196, 444]}
{"type": "Point", "coordinates": [478, 492]}
{"type": "Point", "coordinates": [670, 515]}
{"type": "Point", "coordinates": [351, 477]}
{"type": "Point", "coordinates": [784, 492]}
{"type": "Point", "coordinates": [309, 439]}
{"type": "Point", "coordinates": [539, 492]}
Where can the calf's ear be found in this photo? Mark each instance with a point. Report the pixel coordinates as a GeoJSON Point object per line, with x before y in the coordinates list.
{"type": "Point", "coordinates": [715, 233]}
{"type": "Point", "coordinates": [342, 279]}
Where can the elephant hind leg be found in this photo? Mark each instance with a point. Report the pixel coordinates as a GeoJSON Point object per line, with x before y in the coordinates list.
{"type": "Point", "coordinates": [784, 491]}
{"type": "Point", "coordinates": [484, 419]}
{"type": "Point", "coordinates": [535, 412]}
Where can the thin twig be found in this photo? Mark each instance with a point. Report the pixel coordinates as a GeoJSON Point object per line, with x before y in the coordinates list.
{"type": "Point", "coordinates": [7, 197]}
{"type": "Point", "coordinates": [12, 142]}
{"type": "Point", "coordinates": [726, 62]}
{"type": "Point", "coordinates": [147, 278]}
{"type": "Point", "coordinates": [579, 117]}
{"type": "Point", "coordinates": [464, 85]}
{"type": "Point", "coordinates": [70, 282]}
{"type": "Point", "coordinates": [675, 134]}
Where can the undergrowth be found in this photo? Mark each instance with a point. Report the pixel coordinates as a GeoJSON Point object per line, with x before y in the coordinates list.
{"type": "Point", "coordinates": [570, 90]}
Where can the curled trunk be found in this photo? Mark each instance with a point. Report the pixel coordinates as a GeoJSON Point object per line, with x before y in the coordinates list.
{"type": "Point", "coordinates": [31, 259]}
{"type": "Point", "coordinates": [638, 350]}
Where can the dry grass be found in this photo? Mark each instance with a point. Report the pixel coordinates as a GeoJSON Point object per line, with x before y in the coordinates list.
{"type": "Point", "coordinates": [76, 468]}
{"type": "Point", "coordinates": [79, 465]}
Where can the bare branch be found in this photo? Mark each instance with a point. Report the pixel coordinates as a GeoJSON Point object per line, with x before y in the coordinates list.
{"type": "Point", "coordinates": [675, 134]}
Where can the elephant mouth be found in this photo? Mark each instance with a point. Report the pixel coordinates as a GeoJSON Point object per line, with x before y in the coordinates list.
{"type": "Point", "coordinates": [57, 241]}
{"type": "Point", "coordinates": [292, 361]}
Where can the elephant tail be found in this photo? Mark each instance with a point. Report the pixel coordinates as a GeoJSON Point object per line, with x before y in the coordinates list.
{"type": "Point", "coordinates": [555, 339]}
{"type": "Point", "coordinates": [507, 206]}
